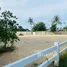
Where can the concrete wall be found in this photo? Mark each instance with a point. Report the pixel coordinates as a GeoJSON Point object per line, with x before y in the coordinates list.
{"type": "Point", "coordinates": [41, 33]}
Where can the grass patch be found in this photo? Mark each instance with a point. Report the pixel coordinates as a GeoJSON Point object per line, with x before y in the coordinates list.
{"type": "Point", "coordinates": [63, 60]}
{"type": "Point", "coordinates": [7, 49]}
{"type": "Point", "coordinates": [34, 65]}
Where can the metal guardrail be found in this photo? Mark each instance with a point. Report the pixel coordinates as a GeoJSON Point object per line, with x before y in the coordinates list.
{"type": "Point", "coordinates": [36, 56]}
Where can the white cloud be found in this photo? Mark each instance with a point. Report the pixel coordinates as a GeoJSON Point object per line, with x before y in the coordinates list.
{"type": "Point", "coordinates": [21, 6]}
{"type": "Point", "coordinates": [38, 9]}
{"type": "Point", "coordinates": [45, 10]}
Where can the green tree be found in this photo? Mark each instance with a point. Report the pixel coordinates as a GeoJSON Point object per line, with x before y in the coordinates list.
{"type": "Point", "coordinates": [65, 28]}
{"type": "Point", "coordinates": [54, 24]}
{"type": "Point", "coordinates": [53, 28]}
{"type": "Point", "coordinates": [20, 28]}
{"type": "Point", "coordinates": [8, 28]}
{"type": "Point", "coordinates": [39, 27]}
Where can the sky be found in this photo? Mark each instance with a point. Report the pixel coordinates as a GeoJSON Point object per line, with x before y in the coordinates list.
{"type": "Point", "coordinates": [39, 10]}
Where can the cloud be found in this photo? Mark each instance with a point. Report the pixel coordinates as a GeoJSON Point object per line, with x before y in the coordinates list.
{"type": "Point", "coordinates": [37, 9]}
{"type": "Point", "coordinates": [45, 10]}
{"type": "Point", "coordinates": [23, 7]}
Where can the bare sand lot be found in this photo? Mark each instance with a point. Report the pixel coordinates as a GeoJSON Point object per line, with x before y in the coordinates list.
{"type": "Point", "coordinates": [29, 45]}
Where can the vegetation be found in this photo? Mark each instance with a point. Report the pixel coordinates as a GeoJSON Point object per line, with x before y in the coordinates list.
{"type": "Point", "coordinates": [63, 60]}
{"type": "Point", "coordinates": [53, 28]}
{"type": "Point", "coordinates": [39, 27]}
{"type": "Point", "coordinates": [20, 28]}
{"type": "Point", "coordinates": [8, 49]}
{"type": "Point", "coordinates": [55, 21]}
{"type": "Point", "coordinates": [31, 22]}
{"type": "Point", "coordinates": [65, 28]}
{"type": "Point", "coordinates": [0, 8]}
{"type": "Point", "coordinates": [8, 29]}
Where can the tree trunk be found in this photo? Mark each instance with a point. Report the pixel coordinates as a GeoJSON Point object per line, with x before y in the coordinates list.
{"type": "Point", "coordinates": [12, 44]}
{"type": "Point", "coordinates": [5, 44]}
{"type": "Point", "coordinates": [31, 30]}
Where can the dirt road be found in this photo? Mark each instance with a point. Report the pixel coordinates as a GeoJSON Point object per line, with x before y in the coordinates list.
{"type": "Point", "coordinates": [29, 45]}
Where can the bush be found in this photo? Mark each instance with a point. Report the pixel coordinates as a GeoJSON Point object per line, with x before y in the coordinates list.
{"type": "Point", "coordinates": [7, 49]}
{"type": "Point", "coordinates": [63, 60]}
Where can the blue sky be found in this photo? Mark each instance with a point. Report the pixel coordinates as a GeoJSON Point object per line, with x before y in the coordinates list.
{"type": "Point", "coordinates": [39, 10]}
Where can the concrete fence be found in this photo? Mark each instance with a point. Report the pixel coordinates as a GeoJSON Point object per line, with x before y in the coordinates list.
{"type": "Point", "coordinates": [25, 61]}
{"type": "Point", "coordinates": [41, 33]}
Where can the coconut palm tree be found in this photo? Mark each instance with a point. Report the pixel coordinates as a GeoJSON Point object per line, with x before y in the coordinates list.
{"type": "Point", "coordinates": [0, 8]}
{"type": "Point", "coordinates": [56, 20]}
{"type": "Point", "coordinates": [31, 22]}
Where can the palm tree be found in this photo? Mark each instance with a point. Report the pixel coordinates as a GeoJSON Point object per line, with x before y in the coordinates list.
{"type": "Point", "coordinates": [0, 8]}
{"type": "Point", "coordinates": [31, 22]}
{"type": "Point", "coordinates": [56, 20]}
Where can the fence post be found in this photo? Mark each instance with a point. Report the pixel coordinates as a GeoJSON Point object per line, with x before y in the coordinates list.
{"type": "Point", "coordinates": [57, 52]}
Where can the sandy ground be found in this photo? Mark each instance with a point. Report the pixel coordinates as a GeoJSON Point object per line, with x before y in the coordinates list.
{"type": "Point", "coordinates": [29, 45]}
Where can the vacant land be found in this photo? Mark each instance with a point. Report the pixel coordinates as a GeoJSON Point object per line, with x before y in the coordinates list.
{"type": "Point", "coordinates": [29, 45]}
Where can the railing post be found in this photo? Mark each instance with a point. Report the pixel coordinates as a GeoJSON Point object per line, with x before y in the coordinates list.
{"type": "Point", "coordinates": [57, 52]}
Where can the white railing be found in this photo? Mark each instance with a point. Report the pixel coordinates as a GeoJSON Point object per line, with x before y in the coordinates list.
{"type": "Point", "coordinates": [24, 62]}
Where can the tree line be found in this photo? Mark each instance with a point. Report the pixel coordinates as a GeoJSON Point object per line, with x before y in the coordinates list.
{"type": "Point", "coordinates": [41, 26]}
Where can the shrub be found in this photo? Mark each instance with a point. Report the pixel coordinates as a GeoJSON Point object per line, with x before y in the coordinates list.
{"type": "Point", "coordinates": [7, 49]}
